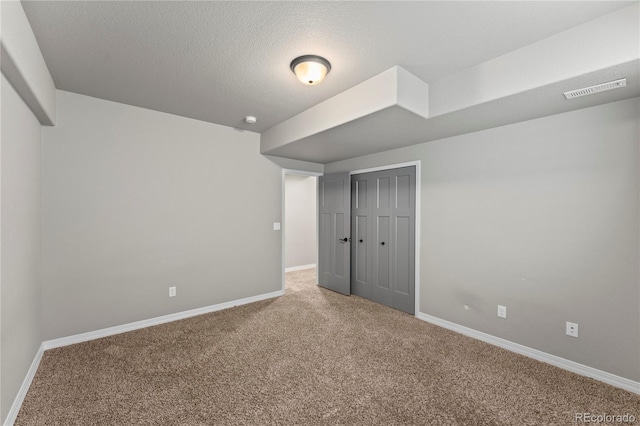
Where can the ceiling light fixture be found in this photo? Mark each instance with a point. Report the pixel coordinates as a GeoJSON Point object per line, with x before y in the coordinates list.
{"type": "Point", "coordinates": [310, 69]}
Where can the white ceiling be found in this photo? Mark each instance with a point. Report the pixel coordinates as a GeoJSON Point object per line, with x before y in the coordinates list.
{"type": "Point", "coordinates": [221, 61]}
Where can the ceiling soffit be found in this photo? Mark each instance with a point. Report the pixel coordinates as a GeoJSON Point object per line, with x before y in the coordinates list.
{"type": "Point", "coordinates": [396, 109]}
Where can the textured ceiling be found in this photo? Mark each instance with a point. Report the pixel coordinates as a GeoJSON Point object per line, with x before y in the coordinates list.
{"type": "Point", "coordinates": [221, 61]}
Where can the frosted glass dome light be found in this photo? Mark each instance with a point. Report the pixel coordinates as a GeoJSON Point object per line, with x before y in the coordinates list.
{"type": "Point", "coordinates": [310, 69]}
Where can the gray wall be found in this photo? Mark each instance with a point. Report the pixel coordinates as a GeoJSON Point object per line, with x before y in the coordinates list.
{"type": "Point", "coordinates": [540, 216]}
{"type": "Point", "coordinates": [300, 220]}
{"type": "Point", "coordinates": [136, 201]}
{"type": "Point", "coordinates": [21, 303]}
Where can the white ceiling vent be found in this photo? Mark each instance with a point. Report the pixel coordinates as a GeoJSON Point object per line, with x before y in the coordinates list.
{"type": "Point", "coordinates": [616, 84]}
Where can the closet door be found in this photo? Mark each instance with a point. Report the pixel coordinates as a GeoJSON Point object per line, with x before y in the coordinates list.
{"type": "Point", "coordinates": [381, 247]}
{"type": "Point", "coordinates": [361, 210]}
{"type": "Point", "coordinates": [383, 222]}
{"type": "Point", "coordinates": [403, 239]}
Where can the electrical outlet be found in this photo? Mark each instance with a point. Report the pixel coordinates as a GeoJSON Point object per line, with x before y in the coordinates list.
{"type": "Point", "coordinates": [276, 226]}
{"type": "Point", "coordinates": [466, 307]}
{"type": "Point", "coordinates": [502, 311]}
{"type": "Point", "coordinates": [172, 291]}
{"type": "Point", "coordinates": [572, 329]}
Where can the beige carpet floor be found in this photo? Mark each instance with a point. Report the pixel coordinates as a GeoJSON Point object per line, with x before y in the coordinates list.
{"type": "Point", "coordinates": [312, 357]}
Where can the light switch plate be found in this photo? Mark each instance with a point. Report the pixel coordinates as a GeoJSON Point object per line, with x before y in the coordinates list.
{"type": "Point", "coordinates": [276, 226]}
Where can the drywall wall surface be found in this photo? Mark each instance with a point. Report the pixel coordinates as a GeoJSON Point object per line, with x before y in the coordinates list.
{"type": "Point", "coordinates": [136, 201]}
{"type": "Point", "coordinates": [301, 246]}
{"type": "Point", "coordinates": [21, 303]}
{"type": "Point", "coordinates": [541, 216]}
{"type": "Point", "coordinates": [23, 64]}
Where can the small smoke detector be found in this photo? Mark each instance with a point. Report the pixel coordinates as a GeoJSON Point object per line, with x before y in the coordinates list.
{"type": "Point", "coordinates": [250, 119]}
{"type": "Point", "coordinates": [616, 84]}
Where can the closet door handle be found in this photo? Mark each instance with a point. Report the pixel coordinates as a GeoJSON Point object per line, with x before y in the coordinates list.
{"type": "Point", "coordinates": [361, 240]}
{"type": "Point", "coordinates": [382, 243]}
{"type": "Point", "coordinates": [344, 240]}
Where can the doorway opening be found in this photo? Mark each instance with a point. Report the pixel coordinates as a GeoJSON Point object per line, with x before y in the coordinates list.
{"type": "Point", "coordinates": [300, 221]}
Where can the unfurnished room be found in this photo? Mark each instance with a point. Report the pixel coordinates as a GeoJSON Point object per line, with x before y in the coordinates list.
{"type": "Point", "coordinates": [319, 212]}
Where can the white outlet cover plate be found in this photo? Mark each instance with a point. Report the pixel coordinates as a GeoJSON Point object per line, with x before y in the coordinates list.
{"type": "Point", "coordinates": [172, 291]}
{"type": "Point", "coordinates": [502, 311]}
{"type": "Point", "coordinates": [572, 329]}
{"type": "Point", "coordinates": [276, 226]}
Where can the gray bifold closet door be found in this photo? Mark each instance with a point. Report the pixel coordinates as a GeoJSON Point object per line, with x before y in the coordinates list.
{"type": "Point", "coordinates": [334, 239]}
{"type": "Point", "coordinates": [383, 229]}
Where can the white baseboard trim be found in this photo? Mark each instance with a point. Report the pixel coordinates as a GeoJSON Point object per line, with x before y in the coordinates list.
{"type": "Point", "coordinates": [26, 383]}
{"type": "Point", "coordinates": [554, 360]}
{"type": "Point", "coordinates": [97, 334]}
{"type": "Point", "coordinates": [300, 268]}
